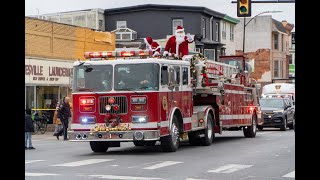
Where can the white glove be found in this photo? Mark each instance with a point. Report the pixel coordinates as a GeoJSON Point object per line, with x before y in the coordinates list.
{"type": "Point", "coordinates": [189, 37]}
{"type": "Point", "coordinates": [156, 53]}
{"type": "Point", "coordinates": [170, 54]}
{"type": "Point", "coordinates": [165, 53]}
{"type": "Point", "coordinates": [175, 55]}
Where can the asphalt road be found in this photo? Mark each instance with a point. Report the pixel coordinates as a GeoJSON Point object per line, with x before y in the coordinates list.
{"type": "Point", "coordinates": [271, 155]}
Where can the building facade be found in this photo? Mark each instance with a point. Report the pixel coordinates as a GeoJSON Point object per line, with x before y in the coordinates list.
{"type": "Point", "coordinates": [228, 31]}
{"type": "Point", "coordinates": [50, 51]}
{"type": "Point", "coordinates": [160, 22]}
{"type": "Point", "coordinates": [90, 18]}
{"type": "Point", "coordinates": [266, 47]}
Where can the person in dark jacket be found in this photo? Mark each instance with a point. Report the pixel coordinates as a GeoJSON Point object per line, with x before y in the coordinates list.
{"type": "Point", "coordinates": [28, 129]}
{"type": "Point", "coordinates": [64, 114]}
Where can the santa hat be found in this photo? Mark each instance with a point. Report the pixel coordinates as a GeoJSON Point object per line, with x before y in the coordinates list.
{"type": "Point", "coordinates": [179, 28]}
{"type": "Point", "coordinates": [148, 41]}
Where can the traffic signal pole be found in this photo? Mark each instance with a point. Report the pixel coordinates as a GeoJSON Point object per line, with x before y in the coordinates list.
{"type": "Point", "coordinates": [243, 43]}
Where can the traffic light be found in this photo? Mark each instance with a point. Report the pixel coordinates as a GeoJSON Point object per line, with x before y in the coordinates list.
{"type": "Point", "coordinates": [243, 8]}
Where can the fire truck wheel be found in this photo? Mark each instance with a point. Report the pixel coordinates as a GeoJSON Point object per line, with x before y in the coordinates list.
{"type": "Point", "coordinates": [171, 143]}
{"type": "Point", "coordinates": [250, 131]}
{"type": "Point", "coordinates": [139, 143]}
{"type": "Point", "coordinates": [194, 138]}
{"type": "Point", "coordinates": [208, 133]}
{"type": "Point", "coordinates": [284, 126]}
{"type": "Point", "coordinates": [99, 146]}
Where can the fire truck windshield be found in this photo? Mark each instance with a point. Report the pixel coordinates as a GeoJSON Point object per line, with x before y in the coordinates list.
{"type": "Point", "coordinates": [136, 77]}
{"type": "Point", "coordinates": [98, 79]}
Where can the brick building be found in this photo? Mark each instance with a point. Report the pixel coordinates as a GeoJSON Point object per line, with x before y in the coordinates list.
{"type": "Point", "coordinates": [50, 51]}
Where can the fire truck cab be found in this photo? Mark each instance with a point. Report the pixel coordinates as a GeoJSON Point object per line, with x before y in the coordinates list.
{"type": "Point", "coordinates": [140, 99]}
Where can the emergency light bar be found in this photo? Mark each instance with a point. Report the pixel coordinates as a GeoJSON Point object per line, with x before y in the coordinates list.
{"type": "Point", "coordinates": [113, 54]}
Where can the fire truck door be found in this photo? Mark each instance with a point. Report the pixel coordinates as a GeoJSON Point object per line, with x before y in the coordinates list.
{"type": "Point", "coordinates": [186, 92]}
{"type": "Point", "coordinates": [175, 87]}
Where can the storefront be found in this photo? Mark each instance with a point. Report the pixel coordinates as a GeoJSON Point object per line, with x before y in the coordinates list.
{"type": "Point", "coordinates": [46, 82]}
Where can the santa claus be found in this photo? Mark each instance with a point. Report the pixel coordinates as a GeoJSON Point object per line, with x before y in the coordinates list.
{"type": "Point", "coordinates": [177, 45]}
{"type": "Point", "coordinates": [152, 45]}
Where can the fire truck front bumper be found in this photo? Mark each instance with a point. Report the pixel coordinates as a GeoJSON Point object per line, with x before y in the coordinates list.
{"type": "Point", "coordinates": [124, 136]}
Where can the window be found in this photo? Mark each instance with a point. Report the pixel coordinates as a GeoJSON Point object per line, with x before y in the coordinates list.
{"type": "Point", "coordinates": [164, 75]}
{"type": "Point", "coordinates": [185, 75]}
{"type": "Point", "coordinates": [275, 41]}
{"type": "Point", "coordinates": [232, 33]}
{"type": "Point", "coordinates": [276, 69]}
{"type": "Point", "coordinates": [281, 69]}
{"type": "Point", "coordinates": [175, 24]}
{"type": "Point", "coordinates": [282, 47]}
{"type": "Point", "coordinates": [121, 24]}
{"type": "Point", "coordinates": [224, 30]}
{"type": "Point", "coordinates": [203, 27]}
{"type": "Point", "coordinates": [100, 24]}
{"type": "Point", "coordinates": [210, 54]}
{"type": "Point", "coordinates": [217, 31]}
{"type": "Point", "coordinates": [176, 75]}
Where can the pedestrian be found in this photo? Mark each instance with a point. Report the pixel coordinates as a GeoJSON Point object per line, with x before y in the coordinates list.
{"type": "Point", "coordinates": [64, 113]}
{"type": "Point", "coordinates": [28, 129]}
{"type": "Point", "coordinates": [56, 120]}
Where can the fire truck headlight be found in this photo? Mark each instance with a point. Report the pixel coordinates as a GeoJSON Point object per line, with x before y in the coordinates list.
{"type": "Point", "coordinates": [108, 107]}
{"type": "Point", "coordinates": [139, 119]}
{"type": "Point", "coordinates": [87, 120]}
{"type": "Point", "coordinates": [138, 100]}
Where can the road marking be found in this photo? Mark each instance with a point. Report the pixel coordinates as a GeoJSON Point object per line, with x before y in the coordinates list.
{"type": "Point", "coordinates": [84, 162]}
{"type": "Point", "coordinates": [32, 161]}
{"type": "Point", "coordinates": [115, 165]}
{"type": "Point", "coordinates": [124, 177]}
{"type": "Point", "coordinates": [162, 164]}
{"type": "Point", "coordinates": [229, 168]}
{"type": "Point", "coordinates": [40, 174]}
{"type": "Point", "coordinates": [290, 175]}
{"type": "Point", "coordinates": [194, 179]}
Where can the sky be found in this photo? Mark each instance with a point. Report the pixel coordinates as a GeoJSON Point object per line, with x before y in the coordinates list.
{"type": "Point", "coordinates": [32, 7]}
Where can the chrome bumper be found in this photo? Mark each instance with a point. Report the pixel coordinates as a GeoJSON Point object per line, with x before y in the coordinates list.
{"type": "Point", "coordinates": [86, 136]}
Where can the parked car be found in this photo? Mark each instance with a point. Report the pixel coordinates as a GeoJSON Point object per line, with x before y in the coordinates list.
{"type": "Point", "coordinates": [277, 112]}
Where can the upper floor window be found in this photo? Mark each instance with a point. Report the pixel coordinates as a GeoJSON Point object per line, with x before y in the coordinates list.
{"type": "Point", "coordinates": [175, 23]}
{"type": "Point", "coordinates": [276, 69]}
{"type": "Point", "coordinates": [217, 31]}
{"type": "Point", "coordinates": [232, 33]}
{"type": "Point", "coordinates": [275, 41]}
{"type": "Point", "coordinates": [224, 30]}
{"type": "Point", "coordinates": [121, 24]}
{"type": "Point", "coordinates": [203, 27]}
{"type": "Point", "coordinates": [282, 46]}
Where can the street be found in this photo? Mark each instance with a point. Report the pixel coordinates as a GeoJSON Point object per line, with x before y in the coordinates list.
{"type": "Point", "coordinates": [271, 155]}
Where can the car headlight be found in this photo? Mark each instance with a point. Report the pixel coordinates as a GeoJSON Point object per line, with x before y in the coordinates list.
{"type": "Point", "coordinates": [139, 119]}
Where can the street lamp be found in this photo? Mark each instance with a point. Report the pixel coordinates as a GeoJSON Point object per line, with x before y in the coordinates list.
{"type": "Point", "coordinates": [244, 30]}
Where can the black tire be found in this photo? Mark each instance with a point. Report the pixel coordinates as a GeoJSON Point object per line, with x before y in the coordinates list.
{"type": "Point", "coordinates": [43, 127]}
{"type": "Point", "coordinates": [251, 131]}
{"type": "Point", "coordinates": [172, 142]}
{"type": "Point", "coordinates": [260, 128]}
{"type": "Point", "coordinates": [284, 126]}
{"type": "Point", "coordinates": [194, 138]}
{"type": "Point", "coordinates": [150, 143]}
{"type": "Point", "coordinates": [99, 146]}
{"type": "Point", "coordinates": [208, 132]}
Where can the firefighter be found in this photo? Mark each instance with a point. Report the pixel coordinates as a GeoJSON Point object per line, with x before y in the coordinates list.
{"type": "Point", "coordinates": [64, 114]}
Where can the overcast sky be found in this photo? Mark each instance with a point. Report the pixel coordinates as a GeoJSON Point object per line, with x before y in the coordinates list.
{"type": "Point", "coordinates": [223, 6]}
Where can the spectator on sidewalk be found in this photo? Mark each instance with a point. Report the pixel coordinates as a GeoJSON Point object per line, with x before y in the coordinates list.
{"type": "Point", "coordinates": [28, 129]}
{"type": "Point", "coordinates": [64, 114]}
{"type": "Point", "coordinates": [56, 120]}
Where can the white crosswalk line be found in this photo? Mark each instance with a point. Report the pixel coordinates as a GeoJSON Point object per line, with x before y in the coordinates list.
{"type": "Point", "coordinates": [40, 174]}
{"type": "Point", "coordinates": [124, 177]}
{"type": "Point", "coordinates": [84, 162]}
{"type": "Point", "coordinates": [194, 179]}
{"type": "Point", "coordinates": [290, 175]}
{"type": "Point", "coordinates": [163, 164]}
{"type": "Point", "coordinates": [32, 161]}
{"type": "Point", "coordinates": [229, 168]}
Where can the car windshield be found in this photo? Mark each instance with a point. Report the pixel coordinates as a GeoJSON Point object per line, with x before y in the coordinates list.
{"type": "Point", "coordinates": [136, 77]}
{"type": "Point", "coordinates": [92, 78]}
{"type": "Point", "coordinates": [272, 103]}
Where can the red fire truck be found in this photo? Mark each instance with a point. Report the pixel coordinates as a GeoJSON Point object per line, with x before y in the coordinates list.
{"type": "Point", "coordinates": [132, 97]}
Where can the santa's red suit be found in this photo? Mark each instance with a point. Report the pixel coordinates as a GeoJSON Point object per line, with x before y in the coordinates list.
{"type": "Point", "coordinates": [152, 45]}
{"type": "Point", "coordinates": [177, 45]}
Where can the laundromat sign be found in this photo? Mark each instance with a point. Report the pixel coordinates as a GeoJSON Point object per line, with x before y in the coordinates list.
{"type": "Point", "coordinates": [48, 72]}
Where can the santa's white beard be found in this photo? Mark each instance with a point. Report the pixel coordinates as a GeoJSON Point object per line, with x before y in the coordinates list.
{"type": "Point", "coordinates": [180, 38]}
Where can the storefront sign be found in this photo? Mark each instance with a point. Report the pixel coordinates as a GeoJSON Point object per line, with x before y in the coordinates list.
{"type": "Point", "coordinates": [48, 72]}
